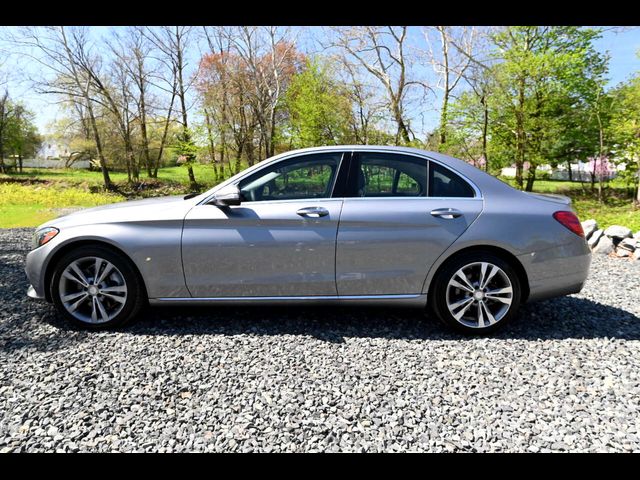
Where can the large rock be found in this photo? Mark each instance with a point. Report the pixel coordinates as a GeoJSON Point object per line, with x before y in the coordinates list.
{"type": "Point", "coordinates": [636, 254]}
{"type": "Point", "coordinates": [595, 236]}
{"type": "Point", "coordinates": [589, 226]}
{"type": "Point", "coordinates": [618, 232]}
{"type": "Point", "coordinates": [629, 244]}
{"type": "Point", "coordinates": [621, 252]}
{"type": "Point", "coordinates": [637, 235]}
{"type": "Point", "coordinates": [604, 246]}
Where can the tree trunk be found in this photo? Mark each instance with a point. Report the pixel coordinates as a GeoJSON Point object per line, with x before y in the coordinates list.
{"type": "Point", "coordinates": [212, 146]}
{"type": "Point", "coordinates": [485, 129]}
{"type": "Point", "coordinates": [238, 158]}
{"type": "Point", "coordinates": [443, 116]}
{"type": "Point", "coordinates": [638, 185]}
{"type": "Point", "coordinates": [531, 177]}
{"type": "Point", "coordinates": [403, 131]}
{"type": "Point", "coordinates": [103, 163]}
{"type": "Point", "coordinates": [569, 170]}
{"type": "Point", "coordinates": [181, 93]}
{"type": "Point", "coordinates": [445, 96]}
{"type": "Point", "coordinates": [145, 139]}
{"type": "Point", "coordinates": [20, 162]}
{"type": "Point", "coordinates": [520, 133]}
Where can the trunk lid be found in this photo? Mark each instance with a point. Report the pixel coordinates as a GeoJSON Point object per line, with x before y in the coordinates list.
{"type": "Point", "coordinates": [551, 197]}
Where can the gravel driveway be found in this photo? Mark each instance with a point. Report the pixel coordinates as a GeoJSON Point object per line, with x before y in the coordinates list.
{"type": "Point", "coordinates": [564, 376]}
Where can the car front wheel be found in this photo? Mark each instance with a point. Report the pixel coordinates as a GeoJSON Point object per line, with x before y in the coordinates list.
{"type": "Point", "coordinates": [476, 293]}
{"type": "Point", "coordinates": [96, 288]}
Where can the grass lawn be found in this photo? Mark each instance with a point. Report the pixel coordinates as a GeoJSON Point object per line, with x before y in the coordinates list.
{"type": "Point", "coordinates": [615, 210]}
{"type": "Point", "coordinates": [28, 205]}
{"type": "Point", "coordinates": [31, 205]}
{"type": "Point", "coordinates": [203, 173]}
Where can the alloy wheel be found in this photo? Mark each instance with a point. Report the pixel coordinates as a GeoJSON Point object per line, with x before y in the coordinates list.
{"type": "Point", "coordinates": [92, 289]}
{"type": "Point", "coordinates": [479, 294]}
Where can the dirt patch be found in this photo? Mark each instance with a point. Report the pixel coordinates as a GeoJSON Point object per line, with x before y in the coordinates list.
{"type": "Point", "coordinates": [24, 180]}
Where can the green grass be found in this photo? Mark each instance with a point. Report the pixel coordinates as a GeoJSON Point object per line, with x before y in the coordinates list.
{"type": "Point", "coordinates": [31, 205]}
{"type": "Point", "coordinates": [203, 173]}
{"type": "Point", "coordinates": [616, 209]}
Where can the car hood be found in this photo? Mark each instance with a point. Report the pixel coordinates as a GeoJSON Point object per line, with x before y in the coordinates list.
{"type": "Point", "coordinates": [129, 211]}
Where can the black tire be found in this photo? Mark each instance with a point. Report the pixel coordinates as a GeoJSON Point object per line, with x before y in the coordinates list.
{"type": "Point", "coordinates": [438, 294]}
{"type": "Point", "coordinates": [135, 297]}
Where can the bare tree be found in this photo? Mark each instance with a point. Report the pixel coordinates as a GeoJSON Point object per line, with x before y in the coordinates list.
{"type": "Point", "coordinates": [383, 52]}
{"type": "Point", "coordinates": [66, 53]}
{"type": "Point", "coordinates": [367, 110]}
{"type": "Point", "coordinates": [172, 41]}
{"type": "Point", "coordinates": [449, 62]}
{"type": "Point", "coordinates": [271, 58]}
{"type": "Point", "coordinates": [5, 115]}
{"type": "Point", "coordinates": [132, 51]}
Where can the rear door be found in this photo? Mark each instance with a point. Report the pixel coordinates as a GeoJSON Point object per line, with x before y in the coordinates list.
{"type": "Point", "coordinates": [401, 213]}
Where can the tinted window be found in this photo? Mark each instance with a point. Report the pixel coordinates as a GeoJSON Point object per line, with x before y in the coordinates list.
{"type": "Point", "coordinates": [444, 183]}
{"type": "Point", "coordinates": [308, 176]}
{"type": "Point", "coordinates": [390, 175]}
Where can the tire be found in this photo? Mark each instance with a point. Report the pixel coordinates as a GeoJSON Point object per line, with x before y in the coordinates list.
{"type": "Point", "coordinates": [112, 303]}
{"type": "Point", "coordinates": [476, 313]}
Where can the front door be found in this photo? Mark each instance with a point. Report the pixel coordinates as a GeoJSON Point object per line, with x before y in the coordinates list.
{"type": "Point", "coordinates": [279, 242]}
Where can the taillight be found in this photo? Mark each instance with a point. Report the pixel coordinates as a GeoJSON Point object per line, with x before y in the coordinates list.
{"type": "Point", "coordinates": [571, 221]}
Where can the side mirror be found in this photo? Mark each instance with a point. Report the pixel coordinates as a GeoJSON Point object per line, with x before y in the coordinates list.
{"type": "Point", "coordinates": [229, 195]}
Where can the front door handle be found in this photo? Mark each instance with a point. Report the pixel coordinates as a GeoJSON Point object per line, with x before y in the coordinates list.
{"type": "Point", "coordinates": [447, 213]}
{"type": "Point", "coordinates": [313, 212]}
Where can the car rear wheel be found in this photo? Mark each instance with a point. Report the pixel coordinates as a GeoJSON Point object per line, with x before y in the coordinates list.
{"type": "Point", "coordinates": [96, 288]}
{"type": "Point", "coordinates": [476, 293]}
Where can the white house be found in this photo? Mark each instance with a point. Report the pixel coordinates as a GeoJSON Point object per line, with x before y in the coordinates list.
{"type": "Point", "coordinates": [53, 154]}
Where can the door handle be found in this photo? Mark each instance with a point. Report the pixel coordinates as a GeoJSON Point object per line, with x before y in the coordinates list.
{"type": "Point", "coordinates": [313, 212]}
{"type": "Point", "coordinates": [448, 213]}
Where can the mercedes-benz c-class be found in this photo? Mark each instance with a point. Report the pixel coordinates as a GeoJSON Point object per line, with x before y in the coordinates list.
{"type": "Point", "coordinates": [343, 224]}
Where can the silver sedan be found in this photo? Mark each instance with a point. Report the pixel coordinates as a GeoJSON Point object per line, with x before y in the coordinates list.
{"type": "Point", "coordinates": [345, 224]}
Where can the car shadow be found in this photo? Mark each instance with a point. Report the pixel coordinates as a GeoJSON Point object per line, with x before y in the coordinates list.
{"type": "Point", "coordinates": [557, 319]}
{"type": "Point", "coordinates": [561, 318]}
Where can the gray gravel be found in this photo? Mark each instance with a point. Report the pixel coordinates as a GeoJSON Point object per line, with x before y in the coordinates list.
{"type": "Point", "coordinates": [564, 376]}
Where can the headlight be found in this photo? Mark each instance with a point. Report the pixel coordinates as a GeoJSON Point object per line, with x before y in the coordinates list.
{"type": "Point", "coordinates": [44, 235]}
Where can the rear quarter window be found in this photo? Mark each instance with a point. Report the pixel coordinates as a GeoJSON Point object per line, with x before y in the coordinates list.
{"type": "Point", "coordinates": [445, 183]}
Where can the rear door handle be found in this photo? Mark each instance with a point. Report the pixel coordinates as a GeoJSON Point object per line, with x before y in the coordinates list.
{"type": "Point", "coordinates": [448, 213]}
{"type": "Point", "coordinates": [313, 212]}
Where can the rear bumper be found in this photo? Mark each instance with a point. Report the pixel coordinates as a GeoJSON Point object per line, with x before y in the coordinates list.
{"type": "Point", "coordinates": [557, 271]}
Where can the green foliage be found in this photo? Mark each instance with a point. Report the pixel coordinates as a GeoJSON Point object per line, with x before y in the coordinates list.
{"type": "Point", "coordinates": [542, 93]}
{"type": "Point", "coordinates": [319, 107]}
{"type": "Point", "coordinates": [22, 137]}
{"type": "Point", "coordinates": [624, 129]}
{"type": "Point", "coordinates": [185, 147]}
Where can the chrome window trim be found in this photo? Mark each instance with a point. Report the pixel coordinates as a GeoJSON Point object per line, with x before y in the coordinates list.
{"type": "Point", "coordinates": [477, 191]}
{"type": "Point", "coordinates": [351, 151]}
{"type": "Point", "coordinates": [283, 159]}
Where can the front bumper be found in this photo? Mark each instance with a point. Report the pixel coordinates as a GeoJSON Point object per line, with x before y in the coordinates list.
{"type": "Point", "coordinates": [32, 294]}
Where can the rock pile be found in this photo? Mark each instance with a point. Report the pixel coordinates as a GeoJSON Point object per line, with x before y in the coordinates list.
{"type": "Point", "coordinates": [614, 240]}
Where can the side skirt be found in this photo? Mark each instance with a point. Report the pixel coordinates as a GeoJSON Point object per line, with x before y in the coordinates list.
{"type": "Point", "coordinates": [413, 300]}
